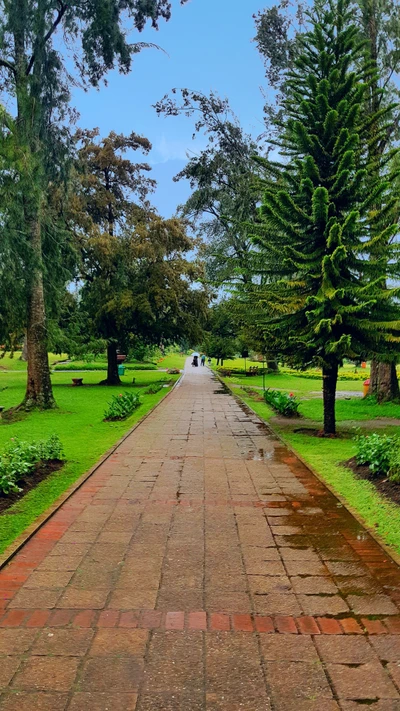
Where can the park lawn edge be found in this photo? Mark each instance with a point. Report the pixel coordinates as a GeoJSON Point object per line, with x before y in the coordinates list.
{"type": "Point", "coordinates": [53, 491]}
{"type": "Point", "coordinates": [379, 516]}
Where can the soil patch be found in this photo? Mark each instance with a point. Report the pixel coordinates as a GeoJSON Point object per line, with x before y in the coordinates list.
{"type": "Point", "coordinates": [42, 471]}
{"type": "Point", "coordinates": [387, 488]}
{"type": "Point", "coordinates": [312, 432]}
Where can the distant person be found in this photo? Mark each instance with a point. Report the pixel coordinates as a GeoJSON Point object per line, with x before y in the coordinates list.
{"type": "Point", "coordinates": [203, 359]}
{"type": "Point", "coordinates": [209, 360]}
{"type": "Point", "coordinates": [195, 361]}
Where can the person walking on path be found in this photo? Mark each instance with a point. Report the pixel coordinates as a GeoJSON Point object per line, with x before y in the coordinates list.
{"type": "Point", "coordinates": [203, 359]}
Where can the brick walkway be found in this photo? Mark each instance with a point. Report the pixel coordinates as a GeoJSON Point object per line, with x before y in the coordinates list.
{"type": "Point", "coordinates": [201, 567]}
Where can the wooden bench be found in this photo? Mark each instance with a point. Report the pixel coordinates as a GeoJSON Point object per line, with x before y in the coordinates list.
{"type": "Point", "coordinates": [253, 370]}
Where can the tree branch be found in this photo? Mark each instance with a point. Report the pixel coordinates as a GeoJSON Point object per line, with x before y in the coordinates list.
{"type": "Point", "coordinates": [48, 35]}
{"type": "Point", "coordinates": [8, 65]}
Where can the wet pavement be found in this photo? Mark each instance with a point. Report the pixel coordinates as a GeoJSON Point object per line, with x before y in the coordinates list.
{"type": "Point", "coordinates": [201, 567]}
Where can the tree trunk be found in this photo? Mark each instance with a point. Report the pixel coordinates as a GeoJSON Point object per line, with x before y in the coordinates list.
{"type": "Point", "coordinates": [112, 365]}
{"type": "Point", "coordinates": [330, 376]}
{"type": "Point", "coordinates": [39, 392]}
{"type": "Point", "coordinates": [383, 381]}
{"type": "Point", "coordinates": [24, 353]}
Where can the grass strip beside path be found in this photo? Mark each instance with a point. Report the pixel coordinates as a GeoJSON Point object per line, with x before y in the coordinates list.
{"type": "Point", "coordinates": [325, 456]}
{"type": "Point", "coordinates": [78, 421]}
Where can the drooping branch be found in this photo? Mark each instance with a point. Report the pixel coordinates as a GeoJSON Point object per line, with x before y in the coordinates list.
{"type": "Point", "coordinates": [61, 12]}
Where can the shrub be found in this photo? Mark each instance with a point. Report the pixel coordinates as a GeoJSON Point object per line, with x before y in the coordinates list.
{"type": "Point", "coordinates": [153, 389]}
{"type": "Point", "coordinates": [286, 405]}
{"type": "Point", "coordinates": [20, 459]}
{"type": "Point", "coordinates": [394, 468]}
{"type": "Point", "coordinates": [142, 366]}
{"type": "Point", "coordinates": [377, 451]}
{"type": "Point", "coordinates": [173, 371]}
{"type": "Point", "coordinates": [121, 406]}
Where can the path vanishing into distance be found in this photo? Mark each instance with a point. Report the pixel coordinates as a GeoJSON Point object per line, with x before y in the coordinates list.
{"type": "Point", "coordinates": [202, 566]}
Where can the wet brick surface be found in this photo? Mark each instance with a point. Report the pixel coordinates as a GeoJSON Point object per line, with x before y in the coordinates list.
{"type": "Point", "coordinates": [202, 567]}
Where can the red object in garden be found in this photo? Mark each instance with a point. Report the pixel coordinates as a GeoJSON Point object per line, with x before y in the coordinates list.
{"type": "Point", "coordinates": [363, 364]}
{"type": "Point", "coordinates": [366, 386]}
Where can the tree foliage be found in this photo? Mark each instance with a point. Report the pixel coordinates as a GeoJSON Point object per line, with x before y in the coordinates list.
{"type": "Point", "coordinates": [327, 298]}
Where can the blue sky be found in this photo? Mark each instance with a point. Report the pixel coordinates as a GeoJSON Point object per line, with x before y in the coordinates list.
{"type": "Point", "coordinates": [208, 46]}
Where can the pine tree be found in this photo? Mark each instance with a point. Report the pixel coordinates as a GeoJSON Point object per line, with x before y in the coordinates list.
{"type": "Point", "coordinates": [326, 299]}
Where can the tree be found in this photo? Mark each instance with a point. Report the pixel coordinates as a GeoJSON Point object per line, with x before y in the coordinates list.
{"type": "Point", "coordinates": [221, 340]}
{"type": "Point", "coordinates": [142, 284]}
{"type": "Point", "coordinates": [133, 262]}
{"type": "Point", "coordinates": [34, 76]}
{"type": "Point", "coordinates": [329, 299]}
{"type": "Point", "coordinates": [223, 178]}
{"type": "Point", "coordinates": [378, 21]}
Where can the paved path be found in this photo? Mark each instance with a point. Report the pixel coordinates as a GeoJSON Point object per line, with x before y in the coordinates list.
{"type": "Point", "coordinates": [201, 567]}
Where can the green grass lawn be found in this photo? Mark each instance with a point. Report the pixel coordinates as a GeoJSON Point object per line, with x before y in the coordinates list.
{"type": "Point", "coordinates": [78, 422]}
{"type": "Point", "coordinates": [326, 456]}
{"type": "Point", "coordinates": [172, 360]}
{"type": "Point", "coordinates": [14, 363]}
{"type": "Point", "coordinates": [293, 383]}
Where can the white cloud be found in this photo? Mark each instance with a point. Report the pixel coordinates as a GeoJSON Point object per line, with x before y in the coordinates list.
{"type": "Point", "coordinates": [166, 149]}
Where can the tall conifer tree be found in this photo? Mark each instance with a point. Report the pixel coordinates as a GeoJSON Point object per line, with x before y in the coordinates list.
{"type": "Point", "coordinates": [326, 299]}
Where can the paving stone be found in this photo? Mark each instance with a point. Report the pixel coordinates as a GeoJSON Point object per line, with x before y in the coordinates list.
{"type": "Point", "coordinates": [322, 604]}
{"type": "Point", "coordinates": [372, 605]}
{"type": "Point", "coordinates": [86, 701]}
{"type": "Point", "coordinates": [25, 701]}
{"type": "Point", "coordinates": [46, 674]}
{"type": "Point", "coordinates": [384, 705]}
{"type": "Point", "coordinates": [63, 642]}
{"type": "Point", "coordinates": [386, 646]}
{"type": "Point", "coordinates": [15, 641]}
{"type": "Point", "coordinates": [341, 649]}
{"type": "Point", "coordinates": [367, 681]}
{"type": "Point", "coordinates": [300, 682]}
{"type": "Point", "coordinates": [291, 648]}
{"type": "Point", "coordinates": [111, 674]}
{"type": "Point", "coordinates": [121, 642]}
{"type": "Point", "coordinates": [8, 667]}
{"type": "Point", "coordinates": [313, 585]}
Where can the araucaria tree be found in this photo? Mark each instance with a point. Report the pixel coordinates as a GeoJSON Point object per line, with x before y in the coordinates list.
{"type": "Point", "coordinates": [324, 208]}
{"type": "Point", "coordinates": [34, 75]}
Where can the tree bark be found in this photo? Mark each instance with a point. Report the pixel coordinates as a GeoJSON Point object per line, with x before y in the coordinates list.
{"type": "Point", "coordinates": [24, 353]}
{"type": "Point", "coordinates": [39, 392]}
{"type": "Point", "coordinates": [330, 376]}
{"type": "Point", "coordinates": [112, 365]}
{"type": "Point", "coordinates": [384, 383]}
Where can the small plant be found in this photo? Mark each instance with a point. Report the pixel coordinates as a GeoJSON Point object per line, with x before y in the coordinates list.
{"type": "Point", "coordinates": [286, 405]}
{"type": "Point", "coordinates": [153, 389]}
{"type": "Point", "coordinates": [173, 371]}
{"type": "Point", "coordinates": [121, 406]}
{"type": "Point", "coordinates": [377, 451]}
{"type": "Point", "coordinates": [20, 459]}
{"type": "Point", "coordinates": [394, 469]}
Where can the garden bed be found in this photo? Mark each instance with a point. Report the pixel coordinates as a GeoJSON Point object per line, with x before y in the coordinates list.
{"type": "Point", "coordinates": [387, 488]}
{"type": "Point", "coordinates": [41, 472]}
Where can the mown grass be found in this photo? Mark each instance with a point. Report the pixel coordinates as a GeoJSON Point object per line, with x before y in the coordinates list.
{"type": "Point", "coordinates": [326, 457]}
{"type": "Point", "coordinates": [15, 363]}
{"type": "Point", "coordinates": [172, 360]}
{"type": "Point", "coordinates": [78, 421]}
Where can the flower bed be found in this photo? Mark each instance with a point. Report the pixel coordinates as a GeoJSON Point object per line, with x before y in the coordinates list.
{"type": "Point", "coordinates": [20, 459]}
{"type": "Point", "coordinates": [286, 405]}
